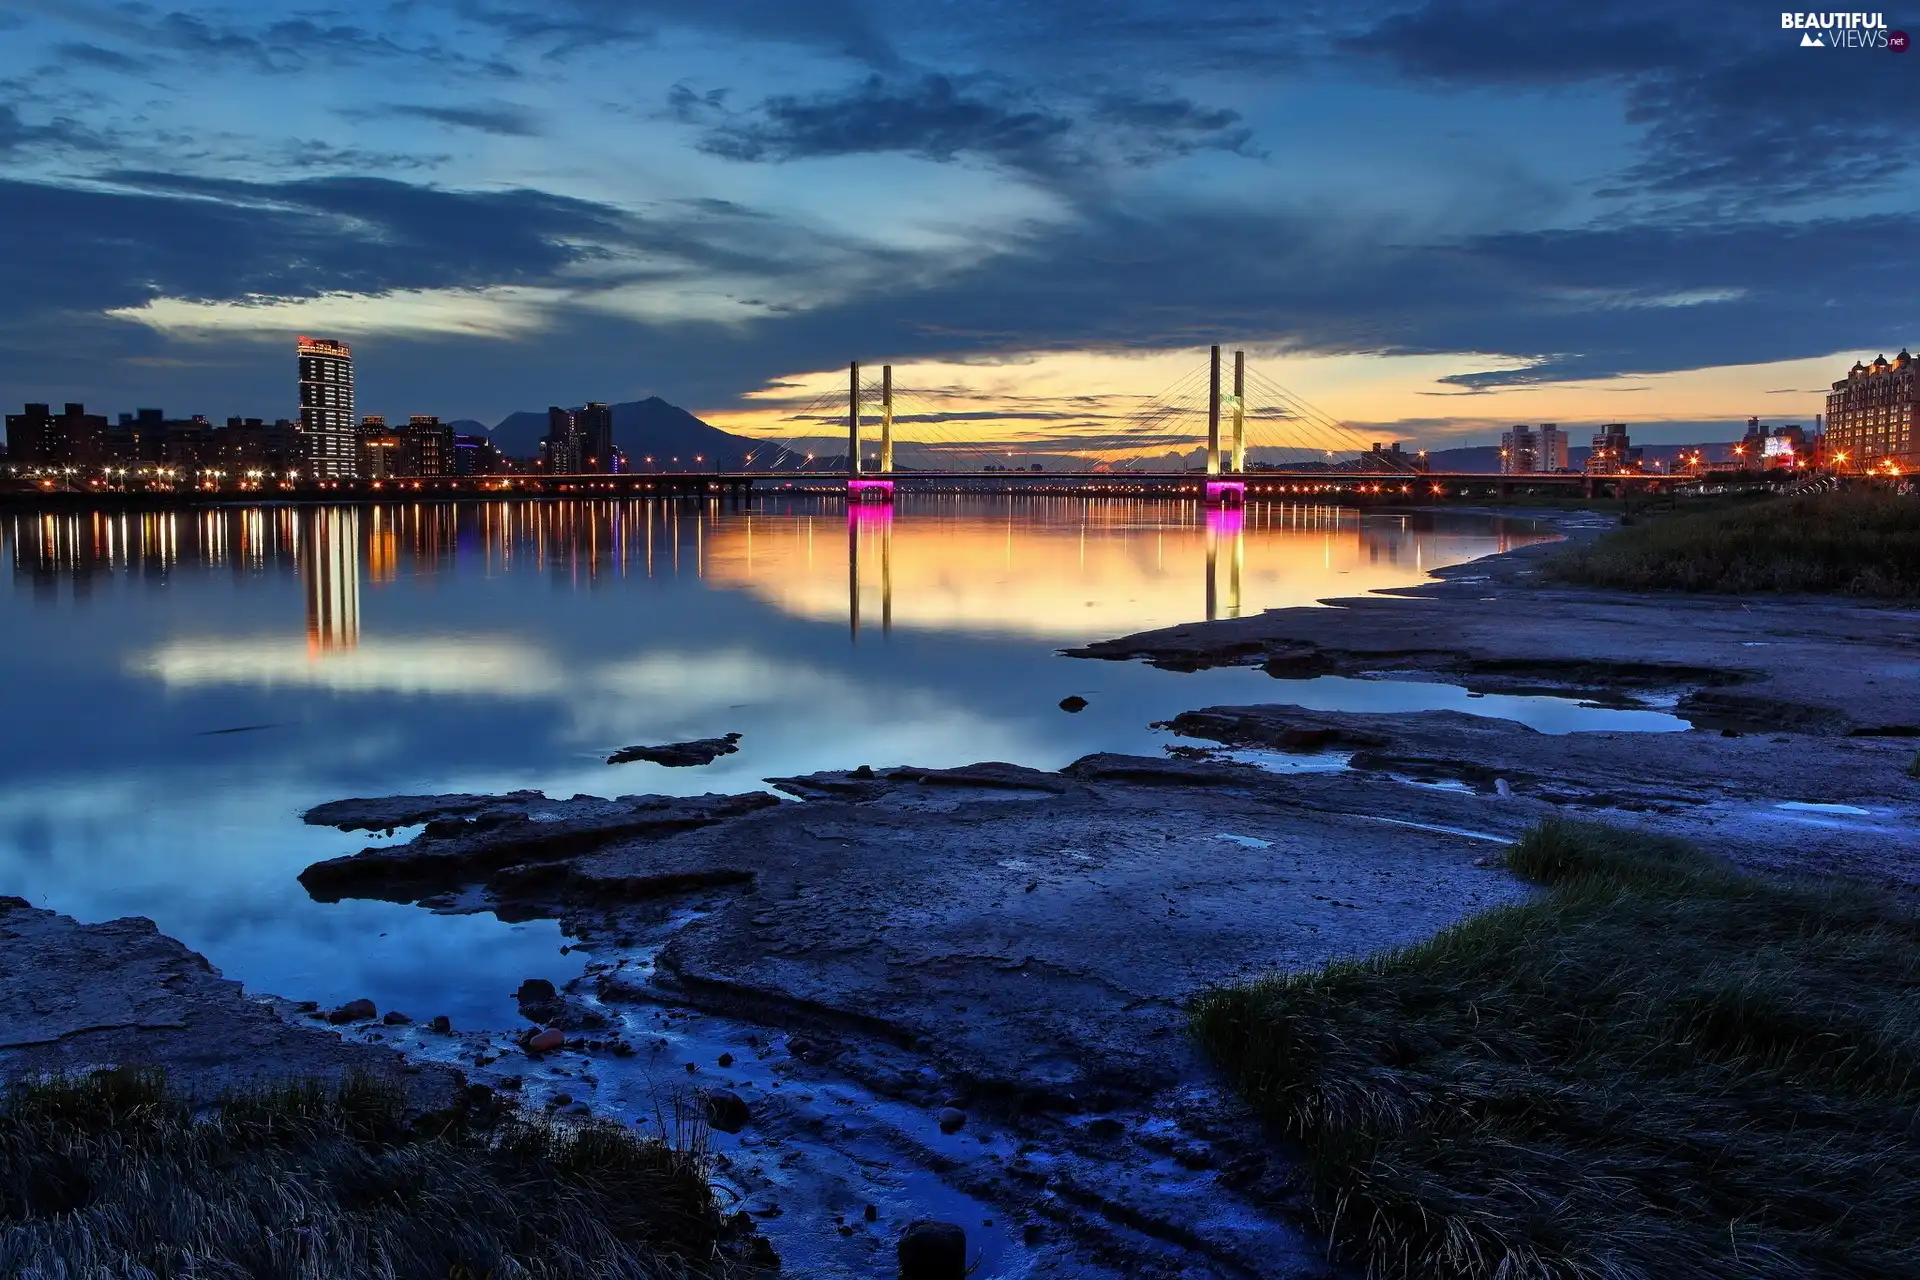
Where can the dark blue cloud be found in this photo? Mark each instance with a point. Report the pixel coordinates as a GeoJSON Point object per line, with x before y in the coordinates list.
{"type": "Point", "coordinates": [943, 119]}
{"type": "Point", "coordinates": [1733, 109]}
{"type": "Point", "coordinates": [93, 55]}
{"type": "Point", "coordinates": [501, 119]}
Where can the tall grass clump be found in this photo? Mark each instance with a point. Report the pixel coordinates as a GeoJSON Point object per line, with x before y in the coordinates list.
{"type": "Point", "coordinates": [112, 1175]}
{"type": "Point", "coordinates": [1861, 543]}
{"type": "Point", "coordinates": [1659, 1067]}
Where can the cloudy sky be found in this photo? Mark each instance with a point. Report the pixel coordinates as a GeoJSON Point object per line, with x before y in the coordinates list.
{"type": "Point", "coordinates": [1426, 218]}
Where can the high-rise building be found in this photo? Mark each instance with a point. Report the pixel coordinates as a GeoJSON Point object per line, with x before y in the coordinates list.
{"type": "Point", "coordinates": [1613, 452]}
{"type": "Point", "coordinates": [595, 423]}
{"type": "Point", "coordinates": [1553, 448]}
{"type": "Point", "coordinates": [1871, 417]}
{"type": "Point", "coordinates": [564, 450]}
{"type": "Point", "coordinates": [428, 446]}
{"type": "Point", "coordinates": [1519, 452]}
{"type": "Point", "coordinates": [326, 408]}
{"type": "Point", "coordinates": [37, 437]}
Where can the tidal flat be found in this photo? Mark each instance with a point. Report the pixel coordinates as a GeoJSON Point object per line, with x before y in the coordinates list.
{"type": "Point", "coordinates": [964, 991]}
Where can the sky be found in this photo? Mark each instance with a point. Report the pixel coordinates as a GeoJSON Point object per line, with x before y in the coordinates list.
{"type": "Point", "coordinates": [1426, 218]}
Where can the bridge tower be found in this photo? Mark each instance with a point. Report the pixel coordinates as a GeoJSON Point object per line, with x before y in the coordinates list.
{"type": "Point", "coordinates": [1227, 490]}
{"type": "Point", "coordinates": [859, 487]}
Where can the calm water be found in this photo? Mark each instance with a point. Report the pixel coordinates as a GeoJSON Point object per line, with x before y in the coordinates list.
{"type": "Point", "coordinates": [179, 687]}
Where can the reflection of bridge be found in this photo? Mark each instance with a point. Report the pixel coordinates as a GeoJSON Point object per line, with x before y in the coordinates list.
{"type": "Point", "coordinates": [870, 539]}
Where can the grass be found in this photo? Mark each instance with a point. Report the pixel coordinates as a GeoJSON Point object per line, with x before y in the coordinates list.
{"type": "Point", "coordinates": [1657, 1068]}
{"type": "Point", "coordinates": [1862, 543]}
{"type": "Point", "coordinates": [113, 1175]}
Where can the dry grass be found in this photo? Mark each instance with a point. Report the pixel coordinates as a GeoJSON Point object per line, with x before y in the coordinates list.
{"type": "Point", "coordinates": [113, 1176]}
{"type": "Point", "coordinates": [1659, 1068]}
{"type": "Point", "coordinates": [1863, 543]}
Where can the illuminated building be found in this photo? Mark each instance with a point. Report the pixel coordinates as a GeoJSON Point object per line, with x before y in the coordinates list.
{"type": "Point", "coordinates": [37, 437]}
{"type": "Point", "coordinates": [332, 437]}
{"type": "Point", "coordinates": [1613, 452]}
{"type": "Point", "coordinates": [595, 424]}
{"type": "Point", "coordinates": [428, 446]}
{"type": "Point", "coordinates": [1519, 452]}
{"type": "Point", "coordinates": [1870, 417]}
{"type": "Point", "coordinates": [564, 451]}
{"type": "Point", "coordinates": [1525, 451]}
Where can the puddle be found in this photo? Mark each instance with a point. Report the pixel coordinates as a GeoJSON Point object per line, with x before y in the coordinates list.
{"type": "Point", "coordinates": [1251, 842]}
{"type": "Point", "coordinates": [1804, 806]}
{"type": "Point", "coordinates": [1287, 761]}
{"type": "Point", "coordinates": [1462, 832]}
{"type": "Point", "coordinates": [1392, 693]}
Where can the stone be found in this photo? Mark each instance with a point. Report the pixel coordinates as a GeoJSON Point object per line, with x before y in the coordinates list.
{"type": "Point", "coordinates": [725, 1059]}
{"type": "Point", "coordinates": [871, 1212]}
{"type": "Point", "coordinates": [441, 1023]}
{"type": "Point", "coordinates": [562, 1100]}
{"type": "Point", "coordinates": [679, 755]}
{"type": "Point", "coordinates": [1073, 704]}
{"type": "Point", "coordinates": [726, 1110]}
{"type": "Point", "coordinates": [359, 1010]}
{"type": "Point", "coordinates": [395, 1018]}
{"type": "Point", "coordinates": [536, 990]}
{"type": "Point", "coordinates": [952, 1119]}
{"type": "Point", "coordinates": [546, 1041]}
{"type": "Point", "coordinates": [864, 772]}
{"type": "Point", "coordinates": [933, 1251]}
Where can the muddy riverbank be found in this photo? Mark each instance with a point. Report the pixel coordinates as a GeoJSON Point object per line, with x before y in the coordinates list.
{"type": "Point", "coordinates": [961, 992]}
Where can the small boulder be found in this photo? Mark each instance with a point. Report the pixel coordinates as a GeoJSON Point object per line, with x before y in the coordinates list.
{"type": "Point", "coordinates": [442, 1023]}
{"type": "Point", "coordinates": [933, 1251]}
{"type": "Point", "coordinates": [725, 1059]}
{"type": "Point", "coordinates": [726, 1110]}
{"type": "Point", "coordinates": [863, 772]}
{"type": "Point", "coordinates": [537, 990]}
{"type": "Point", "coordinates": [395, 1018]}
{"type": "Point", "coordinates": [1073, 703]}
{"type": "Point", "coordinates": [546, 1041]}
{"type": "Point", "coordinates": [952, 1119]}
{"type": "Point", "coordinates": [353, 1011]}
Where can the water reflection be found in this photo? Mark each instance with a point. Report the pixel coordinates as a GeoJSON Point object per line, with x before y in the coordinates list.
{"type": "Point", "coordinates": [468, 647]}
{"type": "Point", "coordinates": [1057, 569]}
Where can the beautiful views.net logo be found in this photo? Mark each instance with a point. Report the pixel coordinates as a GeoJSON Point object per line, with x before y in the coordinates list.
{"type": "Point", "coordinates": [1844, 31]}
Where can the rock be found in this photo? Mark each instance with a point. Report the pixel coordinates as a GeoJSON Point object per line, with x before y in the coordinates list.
{"type": "Point", "coordinates": [933, 1251]}
{"type": "Point", "coordinates": [864, 772]}
{"type": "Point", "coordinates": [441, 1023]}
{"type": "Point", "coordinates": [725, 1059]}
{"type": "Point", "coordinates": [952, 1119]}
{"type": "Point", "coordinates": [726, 1110]}
{"type": "Point", "coordinates": [1073, 703]}
{"type": "Point", "coordinates": [871, 1213]}
{"type": "Point", "coordinates": [1308, 739]}
{"type": "Point", "coordinates": [536, 989]}
{"type": "Point", "coordinates": [579, 1109]}
{"type": "Point", "coordinates": [546, 1041]}
{"type": "Point", "coordinates": [1105, 1128]}
{"type": "Point", "coordinates": [395, 1018]}
{"type": "Point", "coordinates": [760, 1253]}
{"type": "Point", "coordinates": [353, 1011]}
{"type": "Point", "coordinates": [562, 1100]}
{"type": "Point", "coordinates": [679, 755]}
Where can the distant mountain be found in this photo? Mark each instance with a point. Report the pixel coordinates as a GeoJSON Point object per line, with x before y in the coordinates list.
{"type": "Point", "coordinates": [643, 428]}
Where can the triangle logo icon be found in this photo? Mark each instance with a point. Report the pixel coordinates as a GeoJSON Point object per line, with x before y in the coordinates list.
{"type": "Point", "coordinates": [1812, 41]}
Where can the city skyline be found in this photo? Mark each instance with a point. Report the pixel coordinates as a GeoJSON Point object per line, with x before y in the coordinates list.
{"type": "Point", "coordinates": [1432, 221]}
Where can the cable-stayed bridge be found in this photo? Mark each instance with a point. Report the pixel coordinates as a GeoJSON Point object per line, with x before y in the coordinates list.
{"type": "Point", "coordinates": [1222, 430]}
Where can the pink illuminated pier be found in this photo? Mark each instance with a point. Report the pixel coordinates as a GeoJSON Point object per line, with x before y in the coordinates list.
{"type": "Point", "coordinates": [860, 490]}
{"type": "Point", "coordinates": [1226, 493]}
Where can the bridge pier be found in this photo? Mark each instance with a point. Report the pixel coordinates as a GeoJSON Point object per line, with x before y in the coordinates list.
{"type": "Point", "coordinates": [859, 488]}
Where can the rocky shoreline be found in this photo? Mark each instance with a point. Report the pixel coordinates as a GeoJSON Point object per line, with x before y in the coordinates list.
{"type": "Point", "coordinates": [975, 979]}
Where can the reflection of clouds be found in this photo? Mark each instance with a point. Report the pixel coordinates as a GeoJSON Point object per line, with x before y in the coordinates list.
{"type": "Point", "coordinates": [496, 666]}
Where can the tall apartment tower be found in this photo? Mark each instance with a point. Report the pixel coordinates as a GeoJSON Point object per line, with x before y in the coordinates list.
{"type": "Point", "coordinates": [565, 448]}
{"type": "Point", "coordinates": [595, 423]}
{"type": "Point", "coordinates": [331, 432]}
{"type": "Point", "coordinates": [1553, 448]}
{"type": "Point", "coordinates": [1519, 452]}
